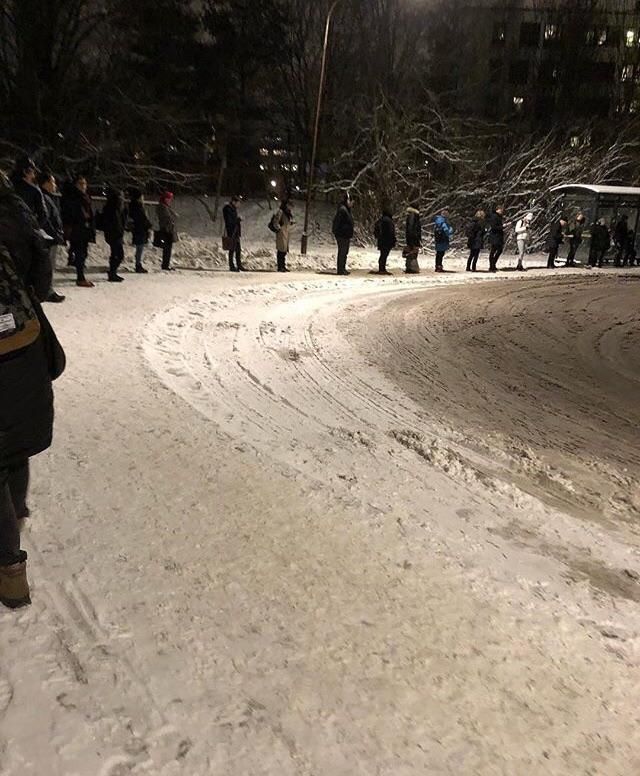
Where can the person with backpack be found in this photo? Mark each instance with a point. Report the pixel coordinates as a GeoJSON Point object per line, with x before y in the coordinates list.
{"type": "Point", "coordinates": [343, 229]}
{"type": "Point", "coordinates": [26, 409]}
{"type": "Point", "coordinates": [49, 188]}
{"type": "Point", "coordinates": [113, 222]}
{"type": "Point", "coordinates": [475, 239]}
{"type": "Point", "coordinates": [600, 243]}
{"type": "Point", "coordinates": [555, 240]}
{"type": "Point", "coordinates": [79, 226]}
{"type": "Point", "coordinates": [384, 231]}
{"type": "Point", "coordinates": [523, 237]}
{"type": "Point", "coordinates": [413, 240]}
{"type": "Point", "coordinates": [281, 224]}
{"type": "Point", "coordinates": [442, 234]}
{"type": "Point", "coordinates": [496, 237]}
{"type": "Point", "coordinates": [575, 239]}
{"type": "Point", "coordinates": [140, 226]}
{"type": "Point", "coordinates": [167, 230]}
{"type": "Point", "coordinates": [232, 236]}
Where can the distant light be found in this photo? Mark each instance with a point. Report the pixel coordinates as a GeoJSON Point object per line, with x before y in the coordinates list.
{"type": "Point", "coordinates": [274, 184]}
{"type": "Point", "coordinates": [262, 167]}
{"type": "Point", "coordinates": [297, 188]}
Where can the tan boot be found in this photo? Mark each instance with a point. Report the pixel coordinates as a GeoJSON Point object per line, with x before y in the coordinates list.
{"type": "Point", "coordinates": [14, 588]}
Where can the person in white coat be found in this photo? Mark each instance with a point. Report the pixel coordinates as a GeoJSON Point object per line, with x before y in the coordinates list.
{"type": "Point", "coordinates": [523, 237]}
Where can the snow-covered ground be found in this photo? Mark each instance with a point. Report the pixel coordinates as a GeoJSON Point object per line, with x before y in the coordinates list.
{"type": "Point", "coordinates": [305, 525]}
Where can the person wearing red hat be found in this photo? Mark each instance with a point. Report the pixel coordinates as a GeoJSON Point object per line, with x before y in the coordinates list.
{"type": "Point", "coordinates": [167, 233]}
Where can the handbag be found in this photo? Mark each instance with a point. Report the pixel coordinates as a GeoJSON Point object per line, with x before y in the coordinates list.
{"type": "Point", "coordinates": [19, 323]}
{"type": "Point", "coordinates": [228, 243]}
{"type": "Point", "coordinates": [54, 352]}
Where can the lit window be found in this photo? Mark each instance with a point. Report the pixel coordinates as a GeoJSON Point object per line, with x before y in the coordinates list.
{"type": "Point", "coordinates": [627, 73]}
{"type": "Point", "coordinates": [551, 32]}
{"type": "Point", "coordinates": [630, 38]}
{"type": "Point", "coordinates": [518, 103]}
{"type": "Point", "coordinates": [575, 141]}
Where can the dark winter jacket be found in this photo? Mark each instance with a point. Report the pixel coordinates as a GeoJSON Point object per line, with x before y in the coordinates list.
{"type": "Point", "coordinates": [140, 223]}
{"type": "Point", "coordinates": [386, 232]}
{"type": "Point", "coordinates": [575, 233]}
{"type": "Point", "coordinates": [33, 198]}
{"type": "Point", "coordinates": [475, 235]}
{"type": "Point", "coordinates": [443, 232]}
{"type": "Point", "coordinates": [232, 221]}
{"type": "Point", "coordinates": [79, 225]}
{"type": "Point", "coordinates": [600, 240]}
{"type": "Point", "coordinates": [343, 223]}
{"type": "Point", "coordinates": [413, 228]}
{"type": "Point", "coordinates": [167, 221]}
{"type": "Point", "coordinates": [114, 218]}
{"type": "Point", "coordinates": [621, 233]}
{"type": "Point", "coordinates": [54, 219]}
{"type": "Point", "coordinates": [556, 235]}
{"type": "Point", "coordinates": [26, 405]}
{"type": "Point", "coordinates": [496, 230]}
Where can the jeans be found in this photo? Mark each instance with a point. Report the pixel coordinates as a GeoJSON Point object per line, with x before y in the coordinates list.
{"type": "Point", "coordinates": [553, 255]}
{"type": "Point", "coordinates": [117, 256]}
{"type": "Point", "coordinates": [80, 251]}
{"type": "Point", "coordinates": [167, 250]}
{"type": "Point", "coordinates": [14, 483]}
{"type": "Point", "coordinates": [235, 253]}
{"type": "Point", "coordinates": [439, 259]}
{"type": "Point", "coordinates": [344, 243]}
{"type": "Point", "coordinates": [382, 261]}
{"type": "Point", "coordinates": [472, 261]}
{"type": "Point", "coordinates": [139, 254]}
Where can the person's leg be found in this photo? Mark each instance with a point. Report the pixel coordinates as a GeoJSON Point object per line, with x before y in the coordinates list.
{"type": "Point", "coordinates": [9, 526]}
{"type": "Point", "coordinates": [470, 260]}
{"type": "Point", "coordinates": [239, 256]}
{"type": "Point", "coordinates": [281, 257]}
{"type": "Point", "coordinates": [81, 250]}
{"type": "Point", "coordinates": [343, 252]}
{"type": "Point", "coordinates": [139, 255]}
{"type": "Point", "coordinates": [382, 261]}
{"type": "Point", "coordinates": [232, 265]}
{"type": "Point", "coordinates": [492, 258]}
{"type": "Point", "coordinates": [167, 250]}
{"type": "Point", "coordinates": [521, 246]}
{"type": "Point", "coordinates": [439, 258]}
{"type": "Point", "coordinates": [18, 488]}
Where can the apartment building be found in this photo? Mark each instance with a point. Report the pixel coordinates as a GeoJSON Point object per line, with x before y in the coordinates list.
{"type": "Point", "coordinates": [545, 61]}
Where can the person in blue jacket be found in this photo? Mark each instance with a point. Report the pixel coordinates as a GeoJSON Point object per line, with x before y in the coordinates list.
{"type": "Point", "coordinates": [442, 232]}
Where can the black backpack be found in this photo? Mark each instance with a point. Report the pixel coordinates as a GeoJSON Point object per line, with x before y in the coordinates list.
{"type": "Point", "coordinates": [19, 322]}
{"type": "Point", "coordinates": [271, 225]}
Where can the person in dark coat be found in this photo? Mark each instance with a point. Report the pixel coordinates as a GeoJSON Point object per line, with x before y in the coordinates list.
{"type": "Point", "coordinates": [385, 234]}
{"type": "Point", "coordinates": [600, 243]}
{"type": "Point", "coordinates": [620, 237]}
{"type": "Point", "coordinates": [233, 233]}
{"type": "Point", "coordinates": [24, 179]}
{"type": "Point", "coordinates": [167, 228]}
{"type": "Point", "coordinates": [140, 226]}
{"type": "Point", "coordinates": [556, 237]}
{"type": "Point", "coordinates": [442, 234]}
{"type": "Point", "coordinates": [26, 408]}
{"type": "Point", "coordinates": [49, 189]}
{"type": "Point", "coordinates": [575, 239]}
{"type": "Point", "coordinates": [475, 239]}
{"type": "Point", "coordinates": [114, 221]}
{"type": "Point", "coordinates": [343, 229]}
{"type": "Point", "coordinates": [79, 226]}
{"type": "Point", "coordinates": [413, 239]}
{"type": "Point", "coordinates": [630, 253]}
{"type": "Point", "coordinates": [496, 237]}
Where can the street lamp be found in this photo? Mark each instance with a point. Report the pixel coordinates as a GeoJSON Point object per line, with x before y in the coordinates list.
{"type": "Point", "coordinates": [314, 149]}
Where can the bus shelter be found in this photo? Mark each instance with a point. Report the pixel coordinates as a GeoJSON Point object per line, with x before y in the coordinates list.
{"type": "Point", "coordinates": [598, 201]}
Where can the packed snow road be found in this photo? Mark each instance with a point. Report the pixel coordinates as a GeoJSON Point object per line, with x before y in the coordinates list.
{"type": "Point", "coordinates": [308, 526]}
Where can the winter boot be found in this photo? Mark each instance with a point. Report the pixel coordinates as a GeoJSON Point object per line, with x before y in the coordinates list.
{"type": "Point", "coordinates": [14, 588]}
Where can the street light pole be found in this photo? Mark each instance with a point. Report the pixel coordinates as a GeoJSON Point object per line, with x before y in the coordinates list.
{"type": "Point", "coordinates": [314, 149]}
